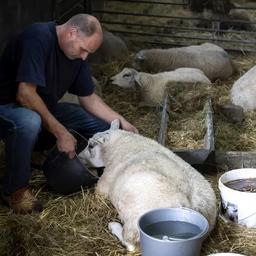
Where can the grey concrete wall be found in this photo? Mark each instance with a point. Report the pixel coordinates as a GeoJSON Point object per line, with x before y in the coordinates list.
{"type": "Point", "coordinates": [15, 14]}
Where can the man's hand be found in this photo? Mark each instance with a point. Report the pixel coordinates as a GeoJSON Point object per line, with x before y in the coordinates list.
{"type": "Point", "coordinates": [67, 143]}
{"type": "Point", "coordinates": [125, 125]}
{"type": "Point", "coordinates": [27, 96]}
{"type": "Point", "coordinates": [95, 105]}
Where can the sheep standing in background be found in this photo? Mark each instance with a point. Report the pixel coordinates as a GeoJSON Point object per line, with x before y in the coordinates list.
{"type": "Point", "coordinates": [243, 92]}
{"type": "Point", "coordinates": [152, 86]}
{"type": "Point", "coordinates": [210, 58]}
{"type": "Point", "coordinates": [141, 175]}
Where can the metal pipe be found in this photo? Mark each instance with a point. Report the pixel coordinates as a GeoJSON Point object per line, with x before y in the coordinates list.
{"type": "Point", "coordinates": [183, 37]}
{"type": "Point", "coordinates": [148, 2]}
{"type": "Point", "coordinates": [178, 28]}
{"type": "Point", "coordinates": [180, 44]}
{"type": "Point", "coordinates": [209, 143]}
{"type": "Point", "coordinates": [171, 17]}
{"type": "Point", "coordinates": [164, 120]}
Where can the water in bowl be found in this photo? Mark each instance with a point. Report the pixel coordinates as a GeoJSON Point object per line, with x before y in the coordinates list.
{"type": "Point", "coordinates": [243, 185]}
{"type": "Point", "coordinates": [172, 230]}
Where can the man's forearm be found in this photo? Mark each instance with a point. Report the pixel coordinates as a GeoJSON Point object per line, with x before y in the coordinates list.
{"type": "Point", "coordinates": [28, 97]}
{"type": "Point", "coordinates": [95, 105]}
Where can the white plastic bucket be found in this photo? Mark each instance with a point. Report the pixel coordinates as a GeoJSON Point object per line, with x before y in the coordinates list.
{"type": "Point", "coordinates": [237, 206]}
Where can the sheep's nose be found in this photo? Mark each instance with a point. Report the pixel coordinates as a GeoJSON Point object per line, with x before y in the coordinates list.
{"type": "Point", "coordinates": [112, 78]}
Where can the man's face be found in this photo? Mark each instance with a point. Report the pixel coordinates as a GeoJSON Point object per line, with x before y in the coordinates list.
{"type": "Point", "coordinates": [78, 46]}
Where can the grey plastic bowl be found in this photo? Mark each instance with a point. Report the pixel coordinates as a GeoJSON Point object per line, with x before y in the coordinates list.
{"type": "Point", "coordinates": [151, 246]}
{"type": "Point", "coordinates": [66, 175]}
{"type": "Point", "coordinates": [226, 254]}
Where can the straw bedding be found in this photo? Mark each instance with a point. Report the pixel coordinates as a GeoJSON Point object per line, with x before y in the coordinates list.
{"type": "Point", "coordinates": [187, 115]}
{"type": "Point", "coordinates": [77, 224]}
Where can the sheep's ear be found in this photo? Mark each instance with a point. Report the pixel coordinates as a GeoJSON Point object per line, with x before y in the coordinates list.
{"type": "Point", "coordinates": [134, 72]}
{"type": "Point", "coordinates": [101, 140]}
{"type": "Point", "coordinates": [115, 124]}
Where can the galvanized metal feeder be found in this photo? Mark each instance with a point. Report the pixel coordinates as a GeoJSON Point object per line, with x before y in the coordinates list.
{"type": "Point", "coordinates": [202, 159]}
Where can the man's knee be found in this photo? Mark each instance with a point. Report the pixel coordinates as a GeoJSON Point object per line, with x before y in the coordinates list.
{"type": "Point", "coordinates": [28, 123]}
{"type": "Point", "coordinates": [20, 121]}
{"type": "Point", "coordinates": [103, 126]}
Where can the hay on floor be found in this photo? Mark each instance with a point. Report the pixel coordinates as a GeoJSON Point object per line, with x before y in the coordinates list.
{"type": "Point", "coordinates": [77, 224]}
{"type": "Point", "coordinates": [186, 131]}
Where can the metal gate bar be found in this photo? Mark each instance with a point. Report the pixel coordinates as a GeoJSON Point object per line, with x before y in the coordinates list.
{"type": "Point", "coordinates": [178, 44]}
{"type": "Point", "coordinates": [151, 2]}
{"type": "Point", "coordinates": [183, 37]}
{"type": "Point", "coordinates": [180, 28]}
{"type": "Point", "coordinates": [118, 21]}
{"type": "Point", "coordinates": [172, 17]}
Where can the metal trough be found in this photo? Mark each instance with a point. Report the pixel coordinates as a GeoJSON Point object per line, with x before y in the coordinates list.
{"type": "Point", "coordinates": [202, 159]}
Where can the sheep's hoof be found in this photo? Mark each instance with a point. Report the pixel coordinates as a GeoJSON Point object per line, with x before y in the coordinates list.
{"type": "Point", "coordinates": [130, 247]}
{"type": "Point", "coordinates": [116, 229]}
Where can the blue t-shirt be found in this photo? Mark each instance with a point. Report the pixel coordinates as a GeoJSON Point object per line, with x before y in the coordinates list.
{"type": "Point", "coordinates": [34, 56]}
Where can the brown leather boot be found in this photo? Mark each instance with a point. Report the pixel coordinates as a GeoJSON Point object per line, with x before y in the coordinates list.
{"type": "Point", "coordinates": [23, 201]}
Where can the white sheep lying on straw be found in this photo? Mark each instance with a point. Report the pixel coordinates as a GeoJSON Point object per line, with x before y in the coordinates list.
{"type": "Point", "coordinates": [243, 92]}
{"type": "Point", "coordinates": [141, 175]}
{"type": "Point", "coordinates": [152, 86]}
{"type": "Point", "coordinates": [210, 58]}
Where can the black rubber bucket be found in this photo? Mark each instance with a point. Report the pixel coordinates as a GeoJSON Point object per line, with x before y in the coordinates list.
{"type": "Point", "coordinates": [66, 175]}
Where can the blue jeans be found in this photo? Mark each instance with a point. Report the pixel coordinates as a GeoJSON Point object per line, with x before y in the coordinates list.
{"type": "Point", "coordinates": [22, 132]}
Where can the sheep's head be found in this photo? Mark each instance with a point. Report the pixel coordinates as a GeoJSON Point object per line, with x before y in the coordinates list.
{"type": "Point", "coordinates": [92, 154]}
{"type": "Point", "coordinates": [139, 60]}
{"type": "Point", "coordinates": [126, 78]}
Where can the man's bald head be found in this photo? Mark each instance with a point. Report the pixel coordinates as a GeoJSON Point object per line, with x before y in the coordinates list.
{"type": "Point", "coordinates": [86, 23]}
{"type": "Point", "coordinates": [80, 36]}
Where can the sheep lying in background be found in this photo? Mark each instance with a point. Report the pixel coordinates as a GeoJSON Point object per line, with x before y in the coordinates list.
{"type": "Point", "coordinates": [243, 92]}
{"type": "Point", "coordinates": [210, 58]}
{"type": "Point", "coordinates": [152, 86]}
{"type": "Point", "coordinates": [112, 48]}
{"type": "Point", "coordinates": [141, 175]}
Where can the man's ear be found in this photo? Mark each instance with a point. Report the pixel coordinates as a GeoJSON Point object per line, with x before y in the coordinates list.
{"type": "Point", "coordinates": [115, 124]}
{"type": "Point", "coordinates": [72, 32]}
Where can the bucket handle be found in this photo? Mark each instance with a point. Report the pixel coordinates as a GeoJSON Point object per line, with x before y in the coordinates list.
{"type": "Point", "coordinates": [247, 217]}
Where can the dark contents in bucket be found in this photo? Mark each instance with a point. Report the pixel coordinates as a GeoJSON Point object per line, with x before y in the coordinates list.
{"type": "Point", "coordinates": [243, 185]}
{"type": "Point", "coordinates": [172, 230]}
